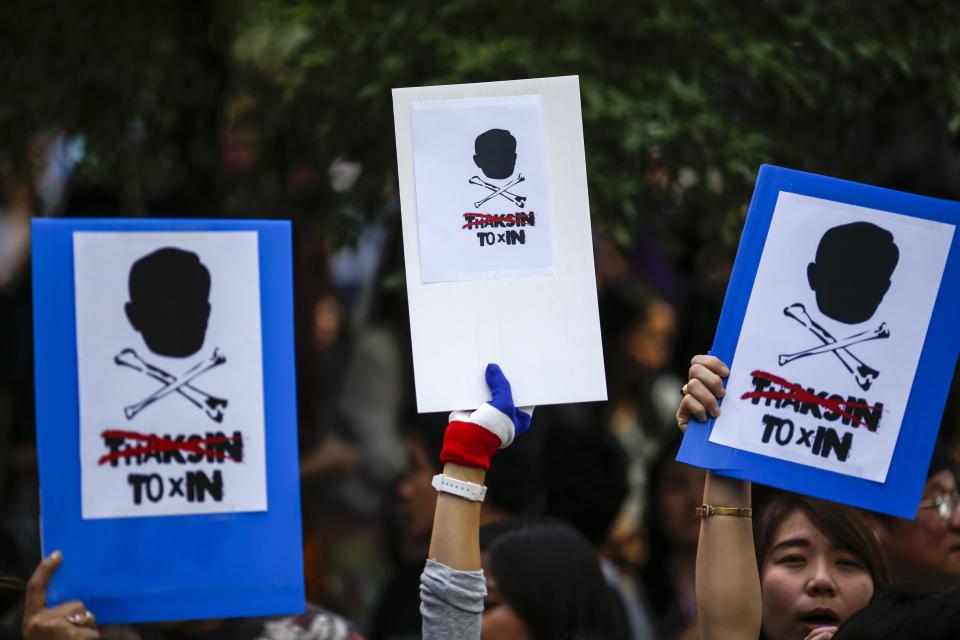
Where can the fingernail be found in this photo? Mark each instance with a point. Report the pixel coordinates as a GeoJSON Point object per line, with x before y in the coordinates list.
{"type": "Point", "coordinates": [56, 555]}
{"type": "Point", "coordinates": [724, 371]}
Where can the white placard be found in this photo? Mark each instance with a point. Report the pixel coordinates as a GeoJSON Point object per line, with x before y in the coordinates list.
{"type": "Point", "coordinates": [465, 311]}
{"type": "Point", "coordinates": [482, 201]}
{"type": "Point", "coordinates": [833, 274]}
{"type": "Point", "coordinates": [170, 373]}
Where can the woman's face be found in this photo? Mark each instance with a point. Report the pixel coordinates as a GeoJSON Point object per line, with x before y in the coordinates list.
{"type": "Point", "coordinates": [649, 343]}
{"type": "Point", "coordinates": [807, 582]}
{"type": "Point", "coordinates": [926, 550]}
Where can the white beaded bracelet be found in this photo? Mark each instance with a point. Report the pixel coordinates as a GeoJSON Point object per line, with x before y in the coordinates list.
{"type": "Point", "coordinates": [467, 490]}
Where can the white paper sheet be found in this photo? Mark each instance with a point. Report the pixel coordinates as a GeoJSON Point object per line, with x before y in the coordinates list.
{"type": "Point", "coordinates": [482, 200]}
{"type": "Point", "coordinates": [155, 361]}
{"type": "Point", "coordinates": [542, 329]}
{"type": "Point", "coordinates": [795, 308]}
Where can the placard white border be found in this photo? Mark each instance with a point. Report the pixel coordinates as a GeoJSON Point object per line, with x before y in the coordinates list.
{"type": "Point", "coordinates": [543, 331]}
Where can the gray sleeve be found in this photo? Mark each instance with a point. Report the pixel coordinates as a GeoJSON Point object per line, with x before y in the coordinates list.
{"type": "Point", "coordinates": [451, 602]}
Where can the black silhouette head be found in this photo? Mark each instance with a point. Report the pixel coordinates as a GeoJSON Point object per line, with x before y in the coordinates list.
{"type": "Point", "coordinates": [496, 153]}
{"type": "Point", "coordinates": [169, 306]}
{"type": "Point", "coordinates": [852, 271]}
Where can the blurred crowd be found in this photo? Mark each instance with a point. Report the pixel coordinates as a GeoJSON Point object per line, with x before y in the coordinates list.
{"type": "Point", "coordinates": [367, 458]}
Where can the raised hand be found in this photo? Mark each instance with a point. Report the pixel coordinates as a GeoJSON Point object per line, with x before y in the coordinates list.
{"type": "Point", "coordinates": [473, 437]}
{"type": "Point", "coordinates": [66, 621]}
{"type": "Point", "coordinates": [703, 390]}
{"type": "Point", "coordinates": [503, 400]}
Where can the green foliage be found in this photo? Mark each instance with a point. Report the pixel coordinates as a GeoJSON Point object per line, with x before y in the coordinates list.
{"type": "Point", "coordinates": [682, 100]}
{"type": "Point", "coordinates": [143, 82]}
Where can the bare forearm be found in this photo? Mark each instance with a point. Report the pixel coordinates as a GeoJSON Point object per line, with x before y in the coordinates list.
{"type": "Point", "coordinates": [728, 582]}
{"type": "Point", "coordinates": [456, 524]}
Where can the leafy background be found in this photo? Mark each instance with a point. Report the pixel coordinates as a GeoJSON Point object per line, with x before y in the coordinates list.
{"type": "Point", "coordinates": [682, 100]}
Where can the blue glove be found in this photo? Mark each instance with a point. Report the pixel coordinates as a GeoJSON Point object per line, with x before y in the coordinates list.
{"type": "Point", "coordinates": [471, 439]}
{"type": "Point", "coordinates": [503, 400]}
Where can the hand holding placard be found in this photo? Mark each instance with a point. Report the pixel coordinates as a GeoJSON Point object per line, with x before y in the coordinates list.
{"type": "Point", "coordinates": [472, 438]}
{"type": "Point", "coordinates": [170, 320]}
{"type": "Point", "coordinates": [66, 621]}
{"type": "Point", "coordinates": [834, 284]}
{"type": "Point", "coordinates": [704, 390]}
{"type": "Point", "coordinates": [489, 225]}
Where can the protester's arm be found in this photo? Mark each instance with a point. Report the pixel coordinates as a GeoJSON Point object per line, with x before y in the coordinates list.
{"type": "Point", "coordinates": [727, 582]}
{"type": "Point", "coordinates": [470, 441]}
{"type": "Point", "coordinates": [727, 579]}
{"type": "Point", "coordinates": [456, 523]}
{"type": "Point", "coordinates": [452, 586]}
{"type": "Point", "coordinates": [66, 621]}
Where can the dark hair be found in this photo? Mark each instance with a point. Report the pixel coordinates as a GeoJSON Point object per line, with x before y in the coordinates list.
{"type": "Point", "coordinates": [514, 481]}
{"type": "Point", "coordinates": [940, 460]}
{"type": "Point", "coordinates": [900, 613]}
{"type": "Point", "coordinates": [550, 576]}
{"type": "Point", "coordinates": [846, 527]}
{"type": "Point", "coordinates": [590, 491]}
{"type": "Point", "coordinates": [426, 429]}
{"type": "Point", "coordinates": [624, 308]}
{"type": "Point", "coordinates": [657, 580]}
{"type": "Point", "coordinates": [493, 531]}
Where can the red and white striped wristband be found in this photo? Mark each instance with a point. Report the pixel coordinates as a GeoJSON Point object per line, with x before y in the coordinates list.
{"type": "Point", "coordinates": [471, 439]}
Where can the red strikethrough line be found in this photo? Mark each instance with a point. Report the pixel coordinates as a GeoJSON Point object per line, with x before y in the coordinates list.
{"type": "Point", "coordinates": [802, 395]}
{"type": "Point", "coordinates": [155, 443]}
{"type": "Point", "coordinates": [478, 219]}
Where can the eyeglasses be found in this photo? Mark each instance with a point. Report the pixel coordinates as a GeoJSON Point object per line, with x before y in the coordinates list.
{"type": "Point", "coordinates": [943, 504]}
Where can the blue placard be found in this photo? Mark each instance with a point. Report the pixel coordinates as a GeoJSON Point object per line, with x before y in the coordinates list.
{"type": "Point", "coordinates": [173, 567]}
{"type": "Point", "coordinates": [899, 492]}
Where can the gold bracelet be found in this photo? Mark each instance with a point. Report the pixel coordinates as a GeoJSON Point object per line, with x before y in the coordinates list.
{"type": "Point", "coordinates": [707, 510]}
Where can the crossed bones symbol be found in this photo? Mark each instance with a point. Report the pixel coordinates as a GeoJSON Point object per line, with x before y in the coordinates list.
{"type": "Point", "coordinates": [520, 201]}
{"type": "Point", "coordinates": [211, 405]}
{"type": "Point", "coordinates": [862, 373]}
